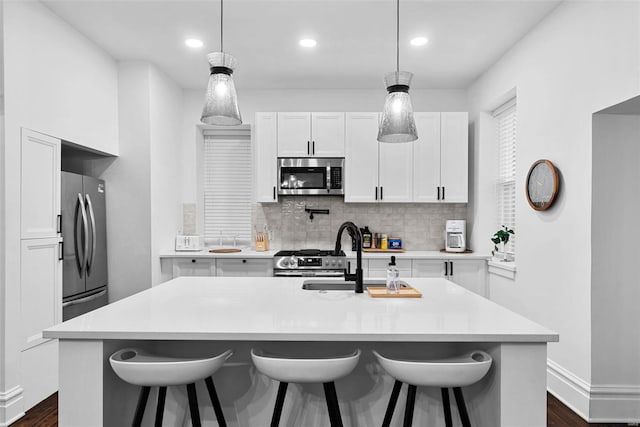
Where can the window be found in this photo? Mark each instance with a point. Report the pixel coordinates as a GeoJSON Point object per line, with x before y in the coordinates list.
{"type": "Point", "coordinates": [506, 121]}
{"type": "Point", "coordinates": [227, 186]}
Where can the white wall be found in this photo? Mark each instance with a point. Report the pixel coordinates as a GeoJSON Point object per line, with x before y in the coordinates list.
{"type": "Point", "coordinates": [252, 101]}
{"type": "Point", "coordinates": [615, 293]}
{"type": "Point", "coordinates": [581, 58]}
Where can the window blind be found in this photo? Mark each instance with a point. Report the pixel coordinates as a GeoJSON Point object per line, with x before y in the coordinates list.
{"type": "Point", "coordinates": [506, 186]}
{"type": "Point", "coordinates": [227, 187]}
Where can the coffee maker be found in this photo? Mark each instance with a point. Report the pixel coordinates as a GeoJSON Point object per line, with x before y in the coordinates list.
{"type": "Point", "coordinates": [455, 240]}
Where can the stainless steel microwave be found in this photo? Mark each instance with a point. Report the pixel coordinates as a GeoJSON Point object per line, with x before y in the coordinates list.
{"type": "Point", "coordinates": [310, 176]}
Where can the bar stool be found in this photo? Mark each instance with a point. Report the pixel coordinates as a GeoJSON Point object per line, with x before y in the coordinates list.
{"type": "Point", "coordinates": [296, 370]}
{"type": "Point", "coordinates": [148, 370]}
{"type": "Point", "coordinates": [454, 372]}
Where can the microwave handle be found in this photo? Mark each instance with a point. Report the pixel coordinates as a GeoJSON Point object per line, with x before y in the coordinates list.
{"type": "Point", "coordinates": [328, 178]}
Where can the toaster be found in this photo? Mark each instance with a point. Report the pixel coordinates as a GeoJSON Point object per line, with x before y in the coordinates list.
{"type": "Point", "coordinates": [188, 243]}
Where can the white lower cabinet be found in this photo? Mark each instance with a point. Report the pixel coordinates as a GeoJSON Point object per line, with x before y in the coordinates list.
{"type": "Point", "coordinates": [194, 267]}
{"type": "Point", "coordinates": [245, 267]}
{"type": "Point", "coordinates": [468, 273]}
{"type": "Point", "coordinates": [378, 267]}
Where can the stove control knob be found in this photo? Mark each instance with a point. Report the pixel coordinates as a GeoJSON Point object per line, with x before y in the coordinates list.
{"type": "Point", "coordinates": [340, 263]}
{"type": "Point", "coordinates": [334, 262]}
{"type": "Point", "coordinates": [293, 261]}
{"type": "Point", "coordinates": [285, 262]}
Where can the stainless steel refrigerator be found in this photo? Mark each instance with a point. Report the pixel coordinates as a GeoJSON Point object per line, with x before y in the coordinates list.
{"type": "Point", "coordinates": [84, 234]}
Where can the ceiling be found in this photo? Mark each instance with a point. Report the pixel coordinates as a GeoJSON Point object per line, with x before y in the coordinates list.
{"type": "Point", "coordinates": [356, 38]}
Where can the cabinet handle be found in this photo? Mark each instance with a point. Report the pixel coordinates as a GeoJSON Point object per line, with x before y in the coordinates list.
{"type": "Point", "coordinates": [446, 269]}
{"type": "Point", "coordinates": [438, 193]}
{"type": "Point", "coordinates": [244, 261]}
{"type": "Point", "coordinates": [450, 268]}
{"type": "Point", "coordinates": [376, 193]}
{"type": "Point", "coordinates": [60, 251]}
{"type": "Point", "coordinates": [274, 192]}
{"type": "Point", "coordinates": [442, 193]}
{"type": "Point", "coordinates": [308, 150]}
{"type": "Point", "coordinates": [193, 260]}
{"type": "Point", "coordinates": [59, 224]}
{"type": "Point", "coordinates": [381, 194]}
{"type": "Point", "coordinates": [313, 148]}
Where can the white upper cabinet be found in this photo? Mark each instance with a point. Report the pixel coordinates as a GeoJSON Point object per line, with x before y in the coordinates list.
{"type": "Point", "coordinates": [265, 149]}
{"type": "Point", "coordinates": [441, 161]}
{"type": "Point", "coordinates": [395, 176]}
{"type": "Point", "coordinates": [361, 160]}
{"type": "Point", "coordinates": [39, 185]}
{"type": "Point", "coordinates": [311, 134]}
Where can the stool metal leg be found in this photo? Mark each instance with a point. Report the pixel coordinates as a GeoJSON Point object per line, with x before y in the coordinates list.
{"type": "Point", "coordinates": [277, 410]}
{"type": "Point", "coordinates": [393, 400]}
{"type": "Point", "coordinates": [462, 408]}
{"type": "Point", "coordinates": [193, 405]}
{"type": "Point", "coordinates": [142, 403]}
{"type": "Point", "coordinates": [215, 402]}
{"type": "Point", "coordinates": [162, 395]}
{"type": "Point", "coordinates": [411, 401]}
{"type": "Point", "coordinates": [446, 405]}
{"type": "Point", "coordinates": [332, 404]}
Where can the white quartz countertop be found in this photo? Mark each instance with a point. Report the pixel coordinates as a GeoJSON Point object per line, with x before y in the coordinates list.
{"type": "Point", "coordinates": [278, 309]}
{"type": "Point", "coordinates": [250, 253]}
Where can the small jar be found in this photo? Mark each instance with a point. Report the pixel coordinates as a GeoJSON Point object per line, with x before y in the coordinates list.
{"type": "Point", "coordinates": [384, 242]}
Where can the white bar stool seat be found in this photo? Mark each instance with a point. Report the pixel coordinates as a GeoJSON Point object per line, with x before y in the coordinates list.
{"type": "Point", "coordinates": [453, 372]}
{"type": "Point", "coordinates": [141, 368]}
{"type": "Point", "coordinates": [309, 370]}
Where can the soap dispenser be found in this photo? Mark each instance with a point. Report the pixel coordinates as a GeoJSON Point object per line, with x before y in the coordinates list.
{"type": "Point", "coordinates": [393, 275]}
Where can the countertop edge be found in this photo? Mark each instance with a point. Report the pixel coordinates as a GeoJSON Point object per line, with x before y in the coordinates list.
{"type": "Point", "coordinates": [350, 254]}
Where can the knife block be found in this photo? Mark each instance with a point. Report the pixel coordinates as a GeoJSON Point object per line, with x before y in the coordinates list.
{"type": "Point", "coordinates": [262, 245]}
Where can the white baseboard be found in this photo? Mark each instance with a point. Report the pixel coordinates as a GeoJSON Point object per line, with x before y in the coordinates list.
{"type": "Point", "coordinates": [610, 403]}
{"type": "Point", "coordinates": [11, 408]}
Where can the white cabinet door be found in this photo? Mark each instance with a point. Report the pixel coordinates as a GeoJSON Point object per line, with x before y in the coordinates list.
{"type": "Point", "coordinates": [395, 175]}
{"type": "Point", "coordinates": [327, 134]}
{"type": "Point", "coordinates": [378, 267]}
{"type": "Point", "coordinates": [40, 288]}
{"type": "Point", "coordinates": [194, 267]}
{"type": "Point", "coordinates": [361, 159]}
{"type": "Point", "coordinates": [426, 158]}
{"type": "Point", "coordinates": [470, 274]}
{"type": "Point", "coordinates": [294, 134]}
{"type": "Point", "coordinates": [454, 157]}
{"type": "Point", "coordinates": [245, 267]}
{"type": "Point", "coordinates": [428, 267]}
{"type": "Point", "coordinates": [265, 149]}
{"type": "Point", "coordinates": [39, 185]}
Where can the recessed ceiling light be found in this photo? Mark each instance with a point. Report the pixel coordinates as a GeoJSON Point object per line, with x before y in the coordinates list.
{"type": "Point", "coordinates": [193, 43]}
{"type": "Point", "coordinates": [308, 43]}
{"type": "Point", "coordinates": [419, 41]}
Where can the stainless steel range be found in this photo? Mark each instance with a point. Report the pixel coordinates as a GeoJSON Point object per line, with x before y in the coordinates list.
{"type": "Point", "coordinates": [309, 262]}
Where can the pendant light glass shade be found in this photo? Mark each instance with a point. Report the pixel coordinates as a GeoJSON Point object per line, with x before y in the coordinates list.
{"type": "Point", "coordinates": [397, 123]}
{"type": "Point", "coordinates": [221, 100]}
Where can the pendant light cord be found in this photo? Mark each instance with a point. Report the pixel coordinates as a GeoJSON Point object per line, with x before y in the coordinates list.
{"type": "Point", "coordinates": [398, 36]}
{"type": "Point", "coordinates": [221, 24]}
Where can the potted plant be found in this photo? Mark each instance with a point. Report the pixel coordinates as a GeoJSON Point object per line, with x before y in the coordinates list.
{"type": "Point", "coordinates": [502, 237]}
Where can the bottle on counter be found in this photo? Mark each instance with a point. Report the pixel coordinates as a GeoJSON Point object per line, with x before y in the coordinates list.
{"type": "Point", "coordinates": [366, 237]}
{"type": "Point", "coordinates": [393, 277]}
{"type": "Point", "coordinates": [384, 242]}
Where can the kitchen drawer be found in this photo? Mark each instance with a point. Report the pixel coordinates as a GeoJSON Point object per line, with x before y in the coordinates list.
{"type": "Point", "coordinates": [194, 267]}
{"type": "Point", "coordinates": [245, 267]}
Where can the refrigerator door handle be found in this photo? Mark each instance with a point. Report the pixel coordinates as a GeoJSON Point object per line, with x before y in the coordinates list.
{"type": "Point", "coordinates": [85, 299]}
{"type": "Point", "coordinates": [93, 234]}
{"type": "Point", "coordinates": [85, 229]}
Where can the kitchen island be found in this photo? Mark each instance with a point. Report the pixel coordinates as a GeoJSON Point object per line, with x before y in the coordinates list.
{"type": "Point", "coordinates": [206, 315]}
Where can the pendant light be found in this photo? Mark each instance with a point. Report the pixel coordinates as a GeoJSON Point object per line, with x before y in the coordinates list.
{"type": "Point", "coordinates": [221, 100]}
{"type": "Point", "coordinates": [397, 124]}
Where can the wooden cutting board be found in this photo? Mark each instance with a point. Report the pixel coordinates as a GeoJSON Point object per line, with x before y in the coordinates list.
{"type": "Point", "coordinates": [224, 251]}
{"type": "Point", "coordinates": [381, 292]}
{"type": "Point", "coordinates": [381, 250]}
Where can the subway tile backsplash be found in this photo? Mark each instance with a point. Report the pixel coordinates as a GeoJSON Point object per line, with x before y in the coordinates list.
{"type": "Point", "coordinates": [421, 226]}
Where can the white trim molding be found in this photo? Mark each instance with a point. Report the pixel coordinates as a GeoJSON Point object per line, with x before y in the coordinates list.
{"type": "Point", "coordinates": [10, 409]}
{"type": "Point", "coordinates": [604, 403]}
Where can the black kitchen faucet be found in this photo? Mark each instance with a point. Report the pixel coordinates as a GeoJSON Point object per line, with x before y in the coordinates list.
{"type": "Point", "coordinates": [354, 232]}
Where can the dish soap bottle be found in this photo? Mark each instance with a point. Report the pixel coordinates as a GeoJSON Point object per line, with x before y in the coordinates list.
{"type": "Point", "coordinates": [393, 275]}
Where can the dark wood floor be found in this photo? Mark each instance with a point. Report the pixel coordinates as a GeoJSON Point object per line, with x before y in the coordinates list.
{"type": "Point", "coordinates": [45, 414]}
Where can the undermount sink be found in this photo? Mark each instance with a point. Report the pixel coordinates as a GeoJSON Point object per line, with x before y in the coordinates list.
{"type": "Point", "coordinates": [342, 285]}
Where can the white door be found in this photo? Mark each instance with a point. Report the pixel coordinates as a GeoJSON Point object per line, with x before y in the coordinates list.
{"type": "Point", "coordinates": [39, 185]}
{"type": "Point", "coordinates": [265, 149]}
{"type": "Point", "coordinates": [294, 134]}
{"type": "Point", "coordinates": [194, 267]}
{"type": "Point", "coordinates": [40, 288]}
{"type": "Point", "coordinates": [361, 158]}
{"type": "Point", "coordinates": [470, 274]}
{"type": "Point", "coordinates": [454, 157]}
{"type": "Point", "coordinates": [426, 158]}
{"type": "Point", "coordinates": [245, 267]}
{"type": "Point", "coordinates": [327, 134]}
{"type": "Point", "coordinates": [428, 267]}
{"type": "Point", "coordinates": [395, 172]}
